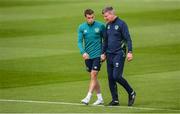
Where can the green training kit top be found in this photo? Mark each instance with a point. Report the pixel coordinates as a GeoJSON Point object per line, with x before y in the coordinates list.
{"type": "Point", "coordinates": [90, 38]}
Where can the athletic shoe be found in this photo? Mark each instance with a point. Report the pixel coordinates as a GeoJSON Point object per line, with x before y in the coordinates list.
{"type": "Point", "coordinates": [132, 97]}
{"type": "Point", "coordinates": [85, 101]}
{"type": "Point", "coordinates": [114, 103]}
{"type": "Point", "coordinates": [98, 102]}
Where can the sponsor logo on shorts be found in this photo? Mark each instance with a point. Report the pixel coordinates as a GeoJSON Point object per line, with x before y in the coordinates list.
{"type": "Point", "coordinates": [95, 67]}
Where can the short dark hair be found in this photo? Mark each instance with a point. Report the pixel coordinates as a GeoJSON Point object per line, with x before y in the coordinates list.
{"type": "Point", "coordinates": [106, 9]}
{"type": "Point", "coordinates": [88, 11]}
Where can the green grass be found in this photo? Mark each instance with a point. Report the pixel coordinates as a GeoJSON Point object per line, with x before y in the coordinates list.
{"type": "Point", "coordinates": [40, 61]}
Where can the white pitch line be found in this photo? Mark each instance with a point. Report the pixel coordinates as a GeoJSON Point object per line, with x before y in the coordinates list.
{"type": "Point", "coordinates": [41, 102]}
{"type": "Point", "coordinates": [78, 104]}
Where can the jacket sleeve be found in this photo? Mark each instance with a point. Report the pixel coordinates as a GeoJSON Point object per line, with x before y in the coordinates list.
{"type": "Point", "coordinates": [126, 36]}
{"type": "Point", "coordinates": [104, 44]}
{"type": "Point", "coordinates": [80, 40]}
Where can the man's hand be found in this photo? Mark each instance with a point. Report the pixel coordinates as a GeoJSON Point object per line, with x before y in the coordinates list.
{"type": "Point", "coordinates": [85, 56]}
{"type": "Point", "coordinates": [103, 57]}
{"type": "Point", "coordinates": [129, 57]}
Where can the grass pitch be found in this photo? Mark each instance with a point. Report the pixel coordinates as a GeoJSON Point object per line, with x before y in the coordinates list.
{"type": "Point", "coordinates": [40, 63]}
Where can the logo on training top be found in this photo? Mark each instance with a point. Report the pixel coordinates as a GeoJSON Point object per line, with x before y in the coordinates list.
{"type": "Point", "coordinates": [96, 29]}
{"type": "Point", "coordinates": [85, 31]}
{"type": "Point", "coordinates": [117, 64]}
{"type": "Point", "coordinates": [108, 27]}
{"type": "Point", "coordinates": [116, 27]}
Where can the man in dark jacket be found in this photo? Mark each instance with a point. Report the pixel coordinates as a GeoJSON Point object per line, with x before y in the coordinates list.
{"type": "Point", "coordinates": [114, 49]}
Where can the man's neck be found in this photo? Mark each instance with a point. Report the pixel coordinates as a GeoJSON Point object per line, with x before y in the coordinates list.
{"type": "Point", "coordinates": [114, 18]}
{"type": "Point", "coordinates": [90, 23]}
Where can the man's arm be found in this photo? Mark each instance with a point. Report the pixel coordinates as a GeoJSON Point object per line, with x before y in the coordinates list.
{"type": "Point", "coordinates": [127, 37]}
{"type": "Point", "coordinates": [80, 41]}
{"type": "Point", "coordinates": [104, 44]}
{"type": "Point", "coordinates": [80, 44]}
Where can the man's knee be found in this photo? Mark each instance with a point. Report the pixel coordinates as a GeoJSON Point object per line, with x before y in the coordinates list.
{"type": "Point", "coordinates": [118, 78]}
{"type": "Point", "coordinates": [94, 74]}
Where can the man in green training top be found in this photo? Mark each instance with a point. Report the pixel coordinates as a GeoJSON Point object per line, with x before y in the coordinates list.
{"type": "Point", "coordinates": [90, 36]}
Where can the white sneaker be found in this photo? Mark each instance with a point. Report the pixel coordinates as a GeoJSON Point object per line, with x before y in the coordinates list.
{"type": "Point", "coordinates": [85, 101]}
{"type": "Point", "coordinates": [98, 102]}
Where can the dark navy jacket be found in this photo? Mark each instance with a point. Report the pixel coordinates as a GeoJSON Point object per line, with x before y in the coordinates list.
{"type": "Point", "coordinates": [117, 37]}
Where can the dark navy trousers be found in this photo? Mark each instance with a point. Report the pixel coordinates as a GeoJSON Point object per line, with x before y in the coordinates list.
{"type": "Point", "coordinates": [115, 66]}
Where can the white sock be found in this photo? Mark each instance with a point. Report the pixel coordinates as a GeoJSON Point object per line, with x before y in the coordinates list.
{"type": "Point", "coordinates": [99, 96]}
{"type": "Point", "coordinates": [89, 95]}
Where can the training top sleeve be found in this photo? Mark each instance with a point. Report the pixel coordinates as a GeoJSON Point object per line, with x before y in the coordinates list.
{"type": "Point", "coordinates": [80, 40]}
{"type": "Point", "coordinates": [126, 36]}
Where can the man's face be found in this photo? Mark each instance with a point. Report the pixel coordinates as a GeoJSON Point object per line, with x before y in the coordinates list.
{"type": "Point", "coordinates": [90, 18]}
{"type": "Point", "coordinates": [108, 17]}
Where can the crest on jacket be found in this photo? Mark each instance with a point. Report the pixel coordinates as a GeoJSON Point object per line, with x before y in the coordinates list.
{"type": "Point", "coordinates": [108, 27]}
{"type": "Point", "coordinates": [96, 29]}
{"type": "Point", "coordinates": [116, 27]}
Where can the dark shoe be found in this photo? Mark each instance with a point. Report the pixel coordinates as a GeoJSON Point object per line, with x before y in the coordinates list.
{"type": "Point", "coordinates": [114, 103]}
{"type": "Point", "coordinates": [132, 97]}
